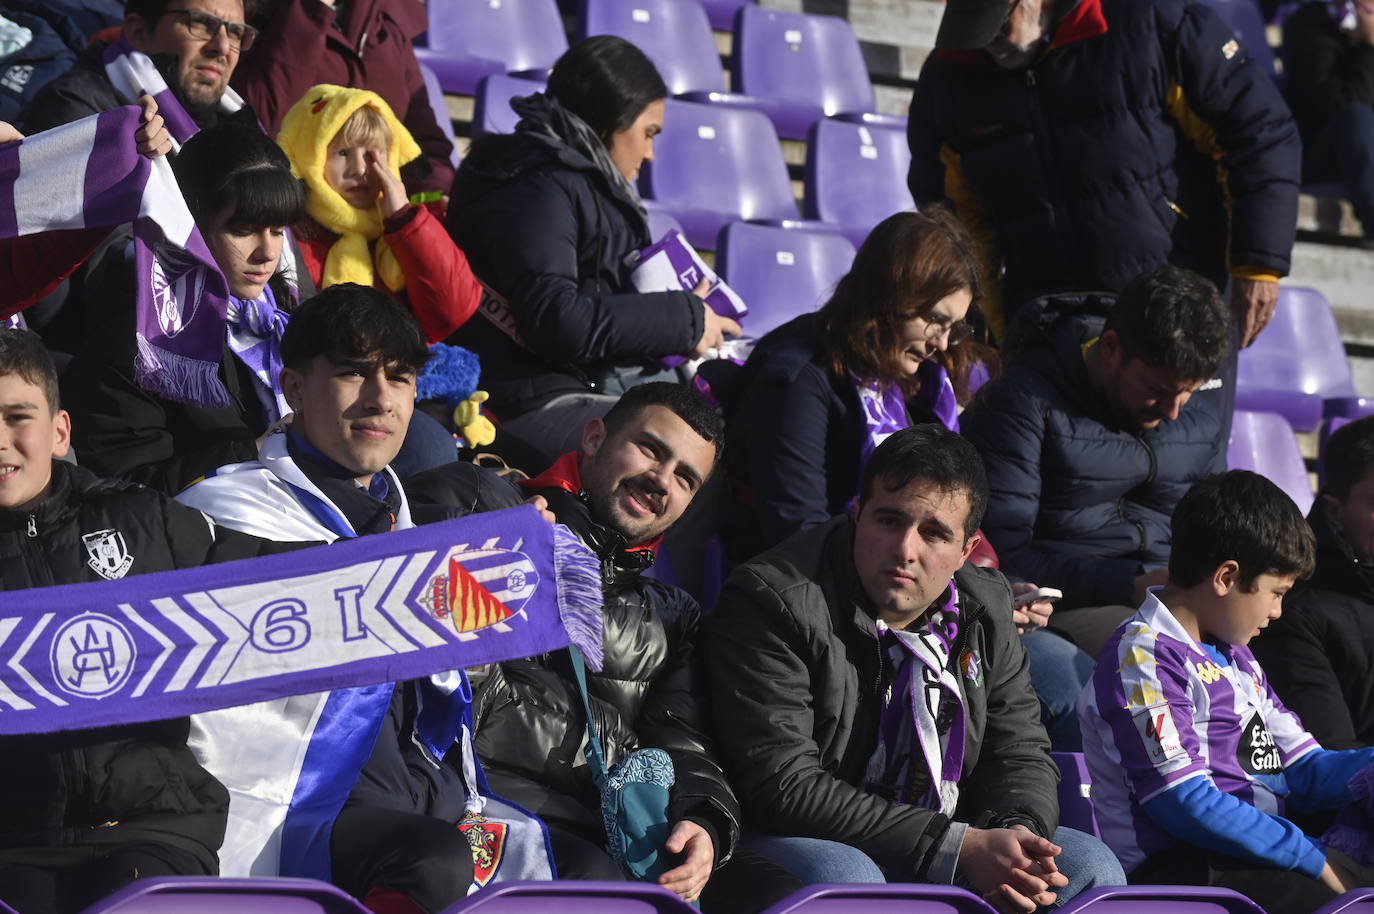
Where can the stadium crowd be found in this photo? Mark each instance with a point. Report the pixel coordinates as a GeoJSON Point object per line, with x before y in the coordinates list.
{"type": "Point", "coordinates": [973, 509]}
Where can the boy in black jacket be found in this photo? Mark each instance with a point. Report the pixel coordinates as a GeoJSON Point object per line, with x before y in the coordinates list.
{"type": "Point", "coordinates": [88, 811]}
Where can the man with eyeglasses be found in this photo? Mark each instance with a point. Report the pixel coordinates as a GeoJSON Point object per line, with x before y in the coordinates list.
{"type": "Point", "coordinates": [195, 45]}
{"type": "Point", "coordinates": [1091, 436]}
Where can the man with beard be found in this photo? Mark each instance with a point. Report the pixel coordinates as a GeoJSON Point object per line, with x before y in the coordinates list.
{"type": "Point", "coordinates": [636, 472]}
{"type": "Point", "coordinates": [1093, 434]}
{"type": "Point", "coordinates": [194, 44]}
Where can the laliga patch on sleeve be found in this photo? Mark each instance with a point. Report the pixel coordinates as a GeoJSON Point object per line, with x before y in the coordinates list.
{"type": "Point", "coordinates": [1158, 733]}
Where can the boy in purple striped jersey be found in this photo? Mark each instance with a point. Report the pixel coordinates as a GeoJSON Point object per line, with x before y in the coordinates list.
{"type": "Point", "coordinates": [1193, 757]}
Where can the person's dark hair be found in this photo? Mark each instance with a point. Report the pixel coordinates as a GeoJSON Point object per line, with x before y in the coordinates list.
{"type": "Point", "coordinates": [930, 453]}
{"type": "Point", "coordinates": [606, 81]}
{"type": "Point", "coordinates": [22, 353]}
{"type": "Point", "coordinates": [1172, 318]}
{"type": "Point", "coordinates": [1348, 456]}
{"type": "Point", "coordinates": [238, 167]}
{"type": "Point", "coordinates": [352, 322]}
{"type": "Point", "coordinates": [907, 265]}
{"type": "Point", "coordinates": [1242, 517]}
{"type": "Point", "coordinates": [152, 10]}
{"type": "Point", "coordinates": [685, 403]}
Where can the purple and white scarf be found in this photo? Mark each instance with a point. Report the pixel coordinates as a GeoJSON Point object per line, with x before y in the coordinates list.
{"type": "Point", "coordinates": [133, 73]}
{"type": "Point", "coordinates": [89, 173]}
{"type": "Point", "coordinates": [255, 331]}
{"type": "Point", "coordinates": [924, 707]}
{"type": "Point", "coordinates": [885, 410]}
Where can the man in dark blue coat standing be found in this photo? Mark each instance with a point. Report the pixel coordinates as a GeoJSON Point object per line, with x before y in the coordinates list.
{"type": "Point", "coordinates": [1093, 434]}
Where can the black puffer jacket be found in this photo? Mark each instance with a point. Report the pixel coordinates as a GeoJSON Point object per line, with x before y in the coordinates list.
{"type": "Point", "coordinates": [1096, 162]}
{"type": "Point", "coordinates": [1077, 502]}
{"type": "Point", "coordinates": [113, 785]}
{"type": "Point", "coordinates": [797, 688]}
{"type": "Point", "coordinates": [1324, 68]}
{"type": "Point", "coordinates": [545, 228]}
{"type": "Point", "coordinates": [1319, 655]}
{"type": "Point", "coordinates": [531, 728]}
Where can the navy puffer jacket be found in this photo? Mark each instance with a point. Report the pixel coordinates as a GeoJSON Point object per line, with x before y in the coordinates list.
{"type": "Point", "coordinates": [1114, 152]}
{"type": "Point", "coordinates": [1077, 502]}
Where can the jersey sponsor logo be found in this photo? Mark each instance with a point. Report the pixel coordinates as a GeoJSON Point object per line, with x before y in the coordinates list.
{"type": "Point", "coordinates": [106, 554]}
{"type": "Point", "coordinates": [92, 655]}
{"type": "Point", "coordinates": [1256, 750]}
{"type": "Point", "coordinates": [1159, 734]}
{"type": "Point", "coordinates": [1208, 672]}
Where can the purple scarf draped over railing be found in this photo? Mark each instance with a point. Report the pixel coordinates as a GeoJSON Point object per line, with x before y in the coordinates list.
{"type": "Point", "coordinates": [359, 612]}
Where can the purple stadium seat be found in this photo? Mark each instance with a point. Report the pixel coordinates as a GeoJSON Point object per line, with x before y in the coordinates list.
{"type": "Point", "coordinates": [469, 39]}
{"type": "Point", "coordinates": [216, 895]}
{"type": "Point", "coordinates": [1075, 793]}
{"type": "Point", "coordinates": [894, 898]}
{"type": "Point", "coordinates": [722, 12]}
{"type": "Point", "coordinates": [661, 221]}
{"type": "Point", "coordinates": [491, 111]}
{"type": "Point", "coordinates": [567, 897]}
{"type": "Point", "coordinates": [798, 68]}
{"type": "Point", "coordinates": [674, 33]}
{"type": "Point", "coordinates": [1264, 443]}
{"type": "Point", "coordinates": [1166, 899]}
{"type": "Point", "coordinates": [1359, 901]}
{"type": "Point", "coordinates": [1297, 366]}
{"type": "Point", "coordinates": [436, 101]}
{"type": "Point", "coordinates": [1247, 22]}
{"type": "Point", "coordinates": [716, 165]}
{"type": "Point", "coordinates": [780, 273]}
{"type": "Point", "coordinates": [856, 175]}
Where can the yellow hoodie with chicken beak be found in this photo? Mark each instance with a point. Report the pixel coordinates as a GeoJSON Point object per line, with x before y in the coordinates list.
{"type": "Point", "coordinates": [306, 132]}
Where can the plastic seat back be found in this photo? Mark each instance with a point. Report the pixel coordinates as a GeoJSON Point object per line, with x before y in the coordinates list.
{"type": "Point", "coordinates": [1359, 901]}
{"type": "Point", "coordinates": [856, 174]}
{"type": "Point", "coordinates": [893, 898]}
{"type": "Point", "coordinates": [219, 895]}
{"type": "Point", "coordinates": [799, 58]}
{"type": "Point", "coordinates": [1161, 899]}
{"type": "Point", "coordinates": [1299, 355]}
{"type": "Point", "coordinates": [436, 102]}
{"type": "Point", "coordinates": [491, 111]}
{"type": "Point", "coordinates": [780, 273]}
{"type": "Point", "coordinates": [1264, 443]}
{"type": "Point", "coordinates": [674, 33]}
{"type": "Point", "coordinates": [569, 897]}
{"type": "Point", "coordinates": [1075, 793]}
{"type": "Point", "coordinates": [520, 35]}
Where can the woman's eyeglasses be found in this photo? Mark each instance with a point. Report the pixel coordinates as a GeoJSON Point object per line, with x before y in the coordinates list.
{"type": "Point", "coordinates": [937, 325]}
{"type": "Point", "coordinates": [204, 27]}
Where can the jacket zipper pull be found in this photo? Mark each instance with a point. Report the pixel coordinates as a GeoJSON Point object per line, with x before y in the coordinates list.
{"type": "Point", "coordinates": [33, 527]}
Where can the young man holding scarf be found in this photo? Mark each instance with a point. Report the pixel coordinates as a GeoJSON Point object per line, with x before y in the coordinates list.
{"type": "Point", "coordinates": [375, 808]}
{"type": "Point", "coordinates": [872, 701]}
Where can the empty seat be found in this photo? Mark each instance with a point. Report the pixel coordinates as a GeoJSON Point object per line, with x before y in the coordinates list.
{"type": "Point", "coordinates": [1247, 22]}
{"type": "Point", "coordinates": [1297, 366]}
{"type": "Point", "coordinates": [799, 68]}
{"type": "Point", "coordinates": [1075, 793]}
{"type": "Point", "coordinates": [568, 897]}
{"type": "Point", "coordinates": [722, 12]}
{"type": "Point", "coordinates": [714, 165]}
{"type": "Point", "coordinates": [436, 101]}
{"type": "Point", "coordinates": [491, 111]}
{"type": "Point", "coordinates": [780, 273]}
{"type": "Point", "coordinates": [1161, 899]}
{"type": "Point", "coordinates": [1264, 443]}
{"type": "Point", "coordinates": [675, 34]}
{"type": "Point", "coordinates": [881, 899]}
{"type": "Point", "coordinates": [220, 895]}
{"type": "Point", "coordinates": [856, 175]}
{"type": "Point", "coordinates": [470, 39]}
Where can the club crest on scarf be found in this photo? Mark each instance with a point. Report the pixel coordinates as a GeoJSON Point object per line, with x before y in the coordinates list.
{"type": "Point", "coordinates": [92, 655]}
{"type": "Point", "coordinates": [487, 841]}
{"type": "Point", "coordinates": [106, 554]}
{"type": "Point", "coordinates": [178, 284]}
{"type": "Point", "coordinates": [479, 588]}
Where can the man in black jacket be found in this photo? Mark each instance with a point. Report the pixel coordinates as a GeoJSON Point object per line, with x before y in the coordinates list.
{"type": "Point", "coordinates": [88, 811]}
{"type": "Point", "coordinates": [637, 471]}
{"type": "Point", "coordinates": [1093, 434]}
{"type": "Point", "coordinates": [1320, 654]}
{"type": "Point", "coordinates": [872, 702]}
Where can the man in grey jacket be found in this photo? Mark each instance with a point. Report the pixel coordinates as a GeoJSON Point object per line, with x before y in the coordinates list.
{"type": "Point", "coordinates": [872, 701]}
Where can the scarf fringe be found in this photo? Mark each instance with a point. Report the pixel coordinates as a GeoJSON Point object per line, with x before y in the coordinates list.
{"type": "Point", "coordinates": [579, 593]}
{"type": "Point", "coordinates": [178, 377]}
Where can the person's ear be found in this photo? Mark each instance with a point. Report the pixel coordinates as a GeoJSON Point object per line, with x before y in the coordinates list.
{"type": "Point", "coordinates": [1225, 577]}
{"type": "Point", "coordinates": [972, 543]}
{"type": "Point", "coordinates": [593, 436]}
{"type": "Point", "coordinates": [293, 388]}
{"type": "Point", "coordinates": [62, 433]}
{"type": "Point", "coordinates": [139, 31]}
{"type": "Point", "coordinates": [1109, 344]}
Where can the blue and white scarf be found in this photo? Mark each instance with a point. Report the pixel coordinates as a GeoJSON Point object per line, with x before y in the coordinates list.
{"type": "Point", "coordinates": [256, 328]}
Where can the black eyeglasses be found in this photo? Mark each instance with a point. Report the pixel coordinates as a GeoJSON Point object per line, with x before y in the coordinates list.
{"type": "Point", "coordinates": [937, 325]}
{"type": "Point", "coordinates": [204, 27]}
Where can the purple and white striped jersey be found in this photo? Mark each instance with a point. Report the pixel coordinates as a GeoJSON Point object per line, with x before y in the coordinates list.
{"type": "Point", "coordinates": [1160, 710]}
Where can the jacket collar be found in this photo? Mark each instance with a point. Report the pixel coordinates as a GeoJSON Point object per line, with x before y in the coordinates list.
{"type": "Point", "coordinates": [1081, 21]}
{"type": "Point", "coordinates": [566, 474]}
{"type": "Point", "coordinates": [1338, 567]}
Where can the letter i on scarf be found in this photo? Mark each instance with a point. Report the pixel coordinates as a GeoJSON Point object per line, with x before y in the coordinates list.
{"type": "Point", "coordinates": [307, 132]}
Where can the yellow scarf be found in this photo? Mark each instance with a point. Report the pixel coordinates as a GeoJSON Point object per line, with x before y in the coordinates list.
{"type": "Point", "coordinates": [305, 135]}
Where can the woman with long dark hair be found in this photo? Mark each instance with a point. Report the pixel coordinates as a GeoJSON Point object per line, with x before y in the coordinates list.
{"type": "Point", "coordinates": [548, 217]}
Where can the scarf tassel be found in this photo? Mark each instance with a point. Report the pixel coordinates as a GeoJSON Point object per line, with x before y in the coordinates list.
{"type": "Point", "coordinates": [579, 593]}
{"type": "Point", "coordinates": [178, 377]}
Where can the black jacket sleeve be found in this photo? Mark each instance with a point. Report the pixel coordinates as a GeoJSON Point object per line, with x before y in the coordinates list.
{"type": "Point", "coordinates": [1299, 655]}
{"type": "Point", "coordinates": [465, 487]}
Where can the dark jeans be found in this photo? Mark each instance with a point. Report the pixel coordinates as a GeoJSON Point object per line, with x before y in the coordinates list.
{"type": "Point", "coordinates": [424, 858]}
{"type": "Point", "coordinates": [1344, 149]}
{"type": "Point", "coordinates": [1271, 889]}
{"type": "Point", "coordinates": [746, 884]}
{"type": "Point", "coordinates": [68, 879]}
